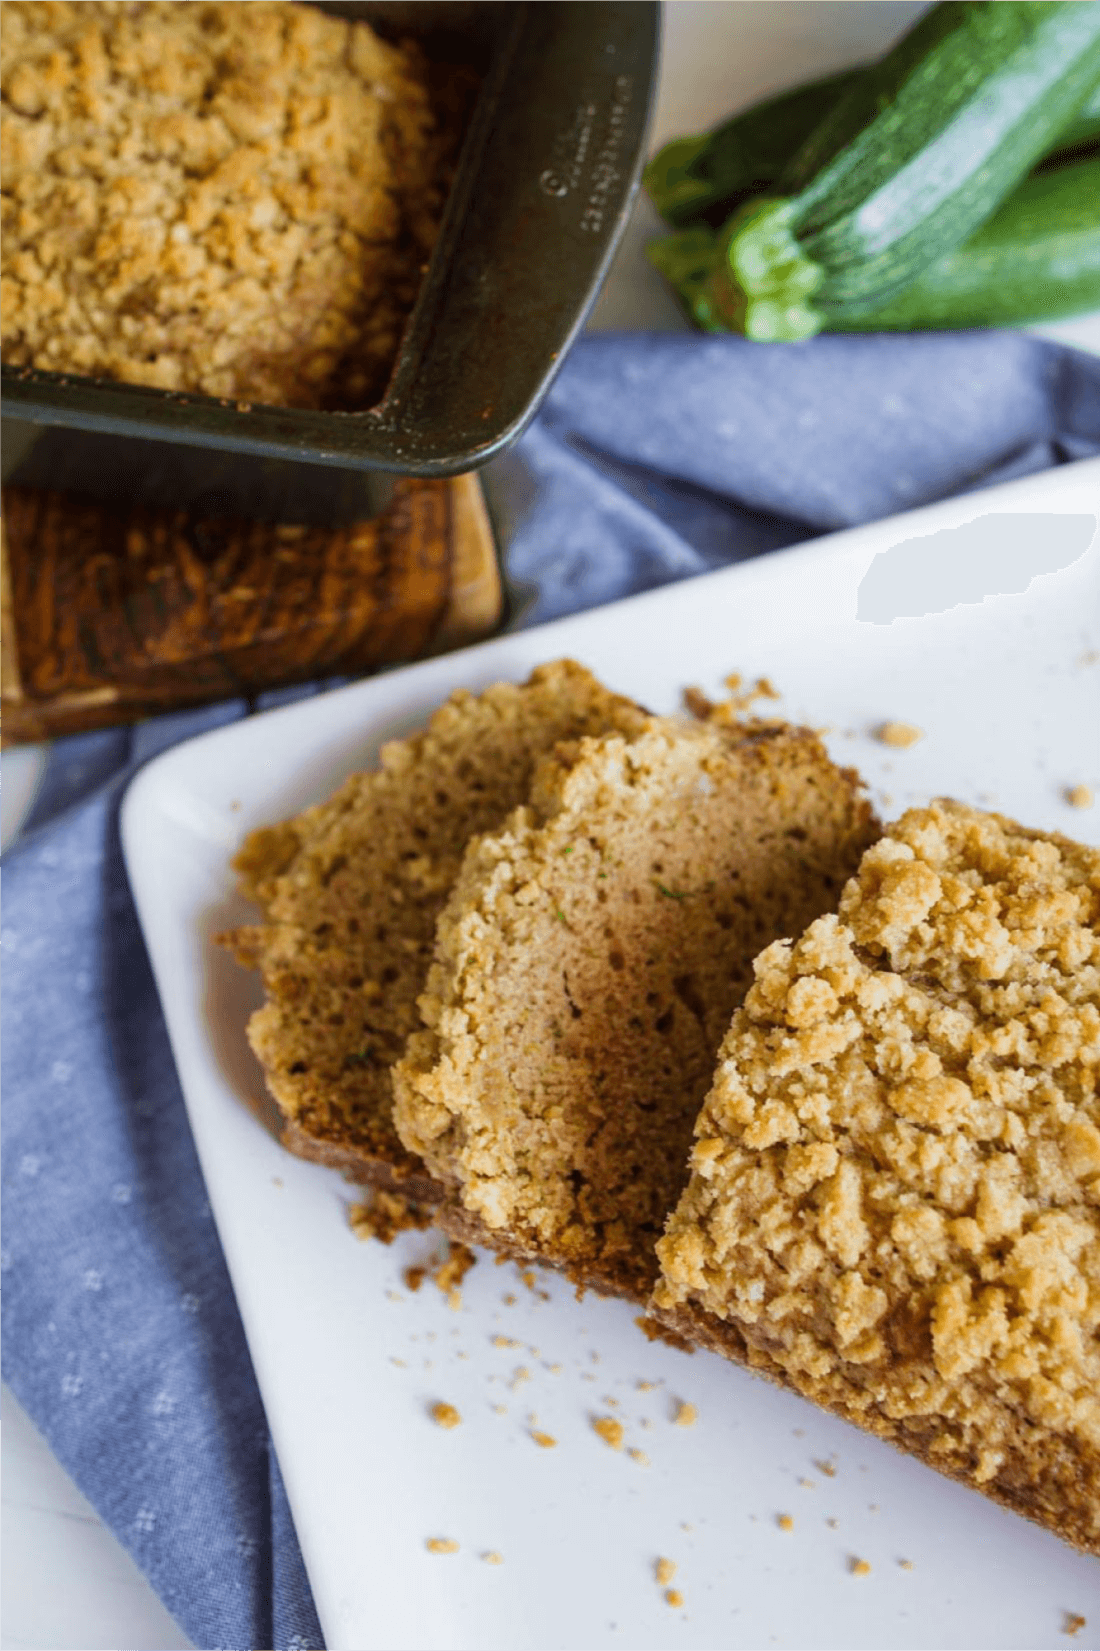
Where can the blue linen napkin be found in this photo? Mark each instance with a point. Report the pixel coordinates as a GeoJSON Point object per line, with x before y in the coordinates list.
{"type": "Point", "coordinates": [654, 458]}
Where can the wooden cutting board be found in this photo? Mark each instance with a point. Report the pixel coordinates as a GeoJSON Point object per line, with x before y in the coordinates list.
{"type": "Point", "coordinates": [119, 606]}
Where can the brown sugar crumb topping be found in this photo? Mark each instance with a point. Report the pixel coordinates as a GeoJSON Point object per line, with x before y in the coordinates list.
{"type": "Point", "coordinates": [445, 1415]}
{"type": "Point", "coordinates": [229, 199]}
{"type": "Point", "coordinates": [899, 734]}
{"type": "Point", "coordinates": [610, 1430]}
{"type": "Point", "coordinates": [441, 1545]}
{"type": "Point", "coordinates": [896, 1178]}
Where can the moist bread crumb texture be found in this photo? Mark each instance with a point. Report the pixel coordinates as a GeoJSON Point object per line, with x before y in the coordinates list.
{"type": "Point", "coordinates": [587, 964]}
{"type": "Point", "coordinates": [352, 889]}
{"type": "Point", "coordinates": [894, 1202]}
{"type": "Point", "coordinates": [226, 198]}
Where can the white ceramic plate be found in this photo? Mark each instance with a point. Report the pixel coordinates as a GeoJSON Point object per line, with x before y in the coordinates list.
{"type": "Point", "coordinates": [349, 1361]}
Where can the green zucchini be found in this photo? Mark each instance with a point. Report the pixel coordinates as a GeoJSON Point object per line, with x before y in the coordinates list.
{"type": "Point", "coordinates": [702, 179]}
{"type": "Point", "coordinates": [965, 104]}
{"type": "Point", "coordinates": [1080, 137]}
{"type": "Point", "coordinates": [1037, 258]}
{"type": "Point", "coordinates": [686, 260]}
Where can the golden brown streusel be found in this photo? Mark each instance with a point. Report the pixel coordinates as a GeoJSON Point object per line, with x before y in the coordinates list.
{"type": "Point", "coordinates": [673, 1597]}
{"type": "Point", "coordinates": [664, 1570]}
{"type": "Point", "coordinates": [1079, 796]}
{"type": "Point", "coordinates": [445, 1415]}
{"type": "Point", "coordinates": [859, 1567]}
{"type": "Point", "coordinates": [225, 198]}
{"type": "Point", "coordinates": [545, 1440]}
{"type": "Point", "coordinates": [686, 1414]}
{"type": "Point", "coordinates": [785, 1522]}
{"type": "Point", "coordinates": [895, 1193]}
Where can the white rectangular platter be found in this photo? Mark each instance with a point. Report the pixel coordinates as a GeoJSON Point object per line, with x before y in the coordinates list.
{"type": "Point", "coordinates": [1006, 691]}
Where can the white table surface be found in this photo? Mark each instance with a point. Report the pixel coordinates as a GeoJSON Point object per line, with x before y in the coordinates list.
{"type": "Point", "coordinates": [68, 1584]}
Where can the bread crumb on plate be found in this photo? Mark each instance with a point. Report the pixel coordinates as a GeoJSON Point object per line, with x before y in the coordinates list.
{"type": "Point", "coordinates": [610, 1430]}
{"type": "Point", "coordinates": [385, 1214]}
{"type": "Point", "coordinates": [898, 734]}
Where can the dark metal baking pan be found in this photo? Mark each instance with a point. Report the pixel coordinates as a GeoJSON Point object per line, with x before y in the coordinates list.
{"type": "Point", "coordinates": [543, 188]}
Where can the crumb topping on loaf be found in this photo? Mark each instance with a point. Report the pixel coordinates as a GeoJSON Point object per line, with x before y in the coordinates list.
{"type": "Point", "coordinates": [226, 198]}
{"type": "Point", "coordinates": [352, 889]}
{"type": "Point", "coordinates": [587, 963]}
{"type": "Point", "coordinates": [895, 1186]}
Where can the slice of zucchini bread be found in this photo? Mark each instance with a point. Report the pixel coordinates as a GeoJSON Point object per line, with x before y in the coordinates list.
{"type": "Point", "coordinates": [894, 1204]}
{"type": "Point", "coordinates": [587, 963]}
{"type": "Point", "coordinates": [351, 890]}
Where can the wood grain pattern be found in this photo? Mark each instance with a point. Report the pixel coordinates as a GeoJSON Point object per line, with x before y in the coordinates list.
{"type": "Point", "coordinates": [112, 614]}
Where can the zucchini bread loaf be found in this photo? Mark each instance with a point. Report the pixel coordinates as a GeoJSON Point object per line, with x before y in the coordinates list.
{"type": "Point", "coordinates": [894, 1203]}
{"type": "Point", "coordinates": [351, 891]}
{"type": "Point", "coordinates": [587, 963]}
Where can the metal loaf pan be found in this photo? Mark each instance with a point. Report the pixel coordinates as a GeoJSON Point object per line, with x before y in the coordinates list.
{"type": "Point", "coordinates": [545, 180]}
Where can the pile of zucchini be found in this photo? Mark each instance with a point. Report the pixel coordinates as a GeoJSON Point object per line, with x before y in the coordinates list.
{"type": "Point", "coordinates": [956, 183]}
